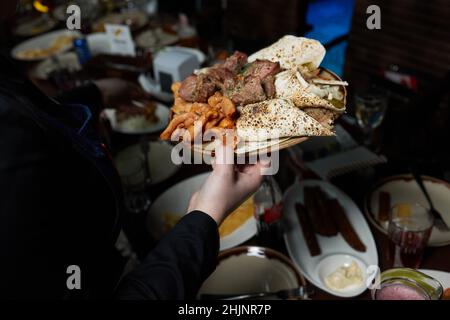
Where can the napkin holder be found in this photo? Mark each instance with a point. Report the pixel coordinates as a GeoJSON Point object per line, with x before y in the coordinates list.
{"type": "Point", "coordinates": [171, 66]}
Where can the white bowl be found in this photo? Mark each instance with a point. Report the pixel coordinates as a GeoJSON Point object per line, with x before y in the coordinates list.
{"type": "Point", "coordinates": [331, 263]}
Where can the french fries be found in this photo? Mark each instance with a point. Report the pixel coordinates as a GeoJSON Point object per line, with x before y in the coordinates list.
{"type": "Point", "coordinates": [219, 113]}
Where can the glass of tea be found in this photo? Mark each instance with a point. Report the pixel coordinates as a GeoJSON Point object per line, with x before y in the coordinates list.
{"type": "Point", "coordinates": [409, 229]}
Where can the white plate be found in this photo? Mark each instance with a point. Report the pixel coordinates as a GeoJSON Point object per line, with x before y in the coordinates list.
{"type": "Point", "coordinates": [155, 38]}
{"type": "Point", "coordinates": [134, 18]}
{"type": "Point", "coordinates": [43, 41]}
{"type": "Point", "coordinates": [334, 249]}
{"type": "Point", "coordinates": [162, 112]}
{"type": "Point", "coordinates": [175, 202]}
{"type": "Point", "coordinates": [67, 61]}
{"type": "Point", "coordinates": [34, 26]}
{"type": "Point", "coordinates": [152, 87]}
{"type": "Point", "coordinates": [159, 161]}
{"type": "Point", "coordinates": [404, 189]}
{"type": "Point", "coordinates": [441, 276]}
{"type": "Point", "coordinates": [252, 269]}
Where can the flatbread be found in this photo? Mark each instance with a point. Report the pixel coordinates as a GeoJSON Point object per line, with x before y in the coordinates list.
{"type": "Point", "coordinates": [276, 118]}
{"type": "Point", "coordinates": [288, 86]}
{"type": "Point", "coordinates": [252, 146]}
{"type": "Point", "coordinates": [243, 147]}
{"type": "Point", "coordinates": [292, 52]}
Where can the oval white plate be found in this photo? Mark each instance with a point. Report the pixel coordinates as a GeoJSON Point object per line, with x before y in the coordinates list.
{"type": "Point", "coordinates": [162, 112]}
{"type": "Point", "coordinates": [299, 252]}
{"type": "Point", "coordinates": [43, 41]}
{"type": "Point", "coordinates": [403, 188]}
{"type": "Point", "coordinates": [151, 86]}
{"type": "Point", "coordinates": [175, 201]}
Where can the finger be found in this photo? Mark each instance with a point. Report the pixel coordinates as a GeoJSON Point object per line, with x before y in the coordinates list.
{"type": "Point", "coordinates": [247, 183]}
{"type": "Point", "coordinates": [261, 166]}
{"type": "Point", "coordinates": [224, 156]}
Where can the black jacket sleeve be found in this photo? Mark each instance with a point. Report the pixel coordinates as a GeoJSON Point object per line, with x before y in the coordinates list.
{"type": "Point", "coordinates": [88, 95]}
{"type": "Point", "coordinates": [27, 252]}
{"type": "Point", "coordinates": [178, 265]}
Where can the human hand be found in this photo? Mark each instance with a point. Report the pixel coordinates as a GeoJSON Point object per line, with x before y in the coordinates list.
{"type": "Point", "coordinates": [116, 92]}
{"type": "Point", "coordinates": [227, 186]}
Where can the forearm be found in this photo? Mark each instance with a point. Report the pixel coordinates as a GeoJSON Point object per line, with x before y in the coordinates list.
{"type": "Point", "coordinates": [178, 265]}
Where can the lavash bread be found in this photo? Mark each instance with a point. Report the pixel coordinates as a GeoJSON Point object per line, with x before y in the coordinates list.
{"type": "Point", "coordinates": [276, 118]}
{"type": "Point", "coordinates": [288, 86]}
{"type": "Point", "coordinates": [292, 52]}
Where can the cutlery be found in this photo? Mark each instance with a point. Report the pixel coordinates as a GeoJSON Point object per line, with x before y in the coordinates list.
{"type": "Point", "coordinates": [438, 221]}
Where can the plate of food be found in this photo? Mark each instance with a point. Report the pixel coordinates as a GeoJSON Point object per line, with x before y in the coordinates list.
{"type": "Point", "coordinates": [155, 39]}
{"type": "Point", "coordinates": [45, 46]}
{"type": "Point", "coordinates": [272, 99]}
{"type": "Point", "coordinates": [66, 61]}
{"type": "Point", "coordinates": [164, 213]}
{"type": "Point", "coordinates": [247, 270]}
{"type": "Point", "coordinates": [134, 19]}
{"type": "Point", "coordinates": [404, 190]}
{"type": "Point", "coordinates": [443, 278]}
{"type": "Point", "coordinates": [34, 26]}
{"type": "Point", "coordinates": [138, 117]}
{"type": "Point", "coordinates": [328, 238]}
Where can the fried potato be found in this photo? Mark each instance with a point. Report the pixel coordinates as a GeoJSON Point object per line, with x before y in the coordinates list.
{"type": "Point", "coordinates": [219, 113]}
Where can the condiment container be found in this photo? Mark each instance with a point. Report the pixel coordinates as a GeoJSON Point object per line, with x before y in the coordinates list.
{"type": "Point", "coordinates": [407, 284]}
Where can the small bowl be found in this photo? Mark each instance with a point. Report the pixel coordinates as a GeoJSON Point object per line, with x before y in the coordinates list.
{"type": "Point", "coordinates": [331, 263]}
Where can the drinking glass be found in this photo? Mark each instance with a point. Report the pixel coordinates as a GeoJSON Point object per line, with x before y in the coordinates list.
{"type": "Point", "coordinates": [135, 183]}
{"type": "Point", "coordinates": [369, 110]}
{"type": "Point", "coordinates": [268, 208]}
{"type": "Point", "coordinates": [409, 229]}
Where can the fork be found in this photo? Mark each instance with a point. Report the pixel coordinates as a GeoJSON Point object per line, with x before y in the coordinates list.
{"type": "Point", "coordinates": [438, 221]}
